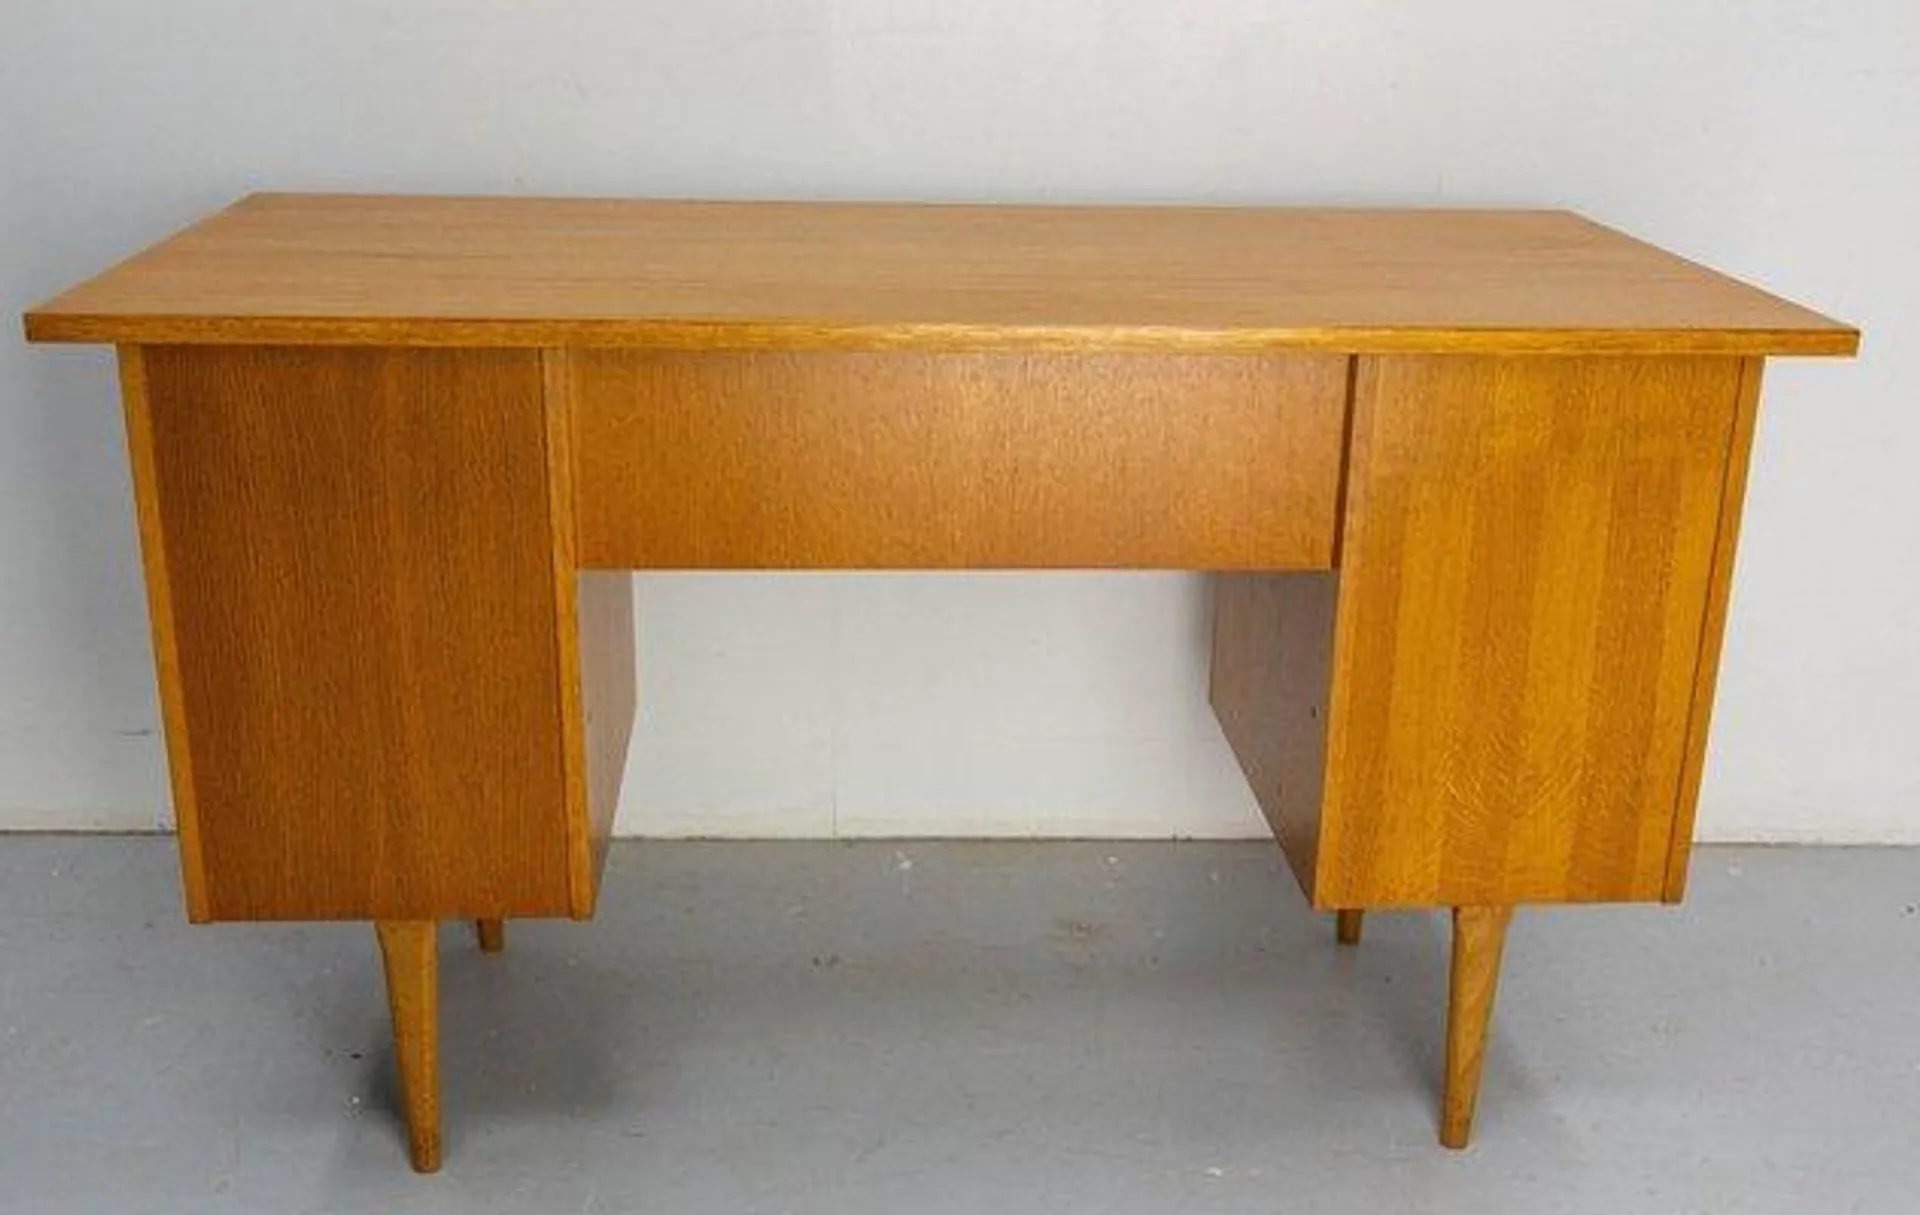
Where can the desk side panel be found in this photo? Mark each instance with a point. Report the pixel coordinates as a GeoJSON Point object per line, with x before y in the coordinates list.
{"type": "Point", "coordinates": [360, 576]}
{"type": "Point", "coordinates": [608, 699]}
{"type": "Point", "coordinates": [1272, 658]}
{"type": "Point", "coordinates": [1525, 569]}
{"type": "Point", "coordinates": [138, 409]}
{"type": "Point", "coordinates": [596, 656]}
{"type": "Point", "coordinates": [1719, 594]}
{"type": "Point", "coordinates": [760, 460]}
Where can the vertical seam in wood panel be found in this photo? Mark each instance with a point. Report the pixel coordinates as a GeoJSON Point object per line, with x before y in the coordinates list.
{"type": "Point", "coordinates": [1355, 445]}
{"type": "Point", "coordinates": [138, 407]}
{"type": "Point", "coordinates": [557, 404]}
{"type": "Point", "coordinates": [1346, 459]}
{"type": "Point", "coordinates": [1713, 622]}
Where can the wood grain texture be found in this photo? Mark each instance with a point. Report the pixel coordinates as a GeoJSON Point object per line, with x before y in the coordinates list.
{"type": "Point", "coordinates": [1528, 550]}
{"type": "Point", "coordinates": [288, 269]}
{"type": "Point", "coordinates": [1713, 627]}
{"type": "Point", "coordinates": [596, 651]}
{"type": "Point", "coordinates": [556, 394]}
{"type": "Point", "coordinates": [1479, 938]}
{"type": "Point", "coordinates": [409, 952]}
{"type": "Point", "coordinates": [608, 698]}
{"type": "Point", "coordinates": [137, 406]}
{"type": "Point", "coordinates": [832, 461]}
{"type": "Point", "coordinates": [1272, 662]}
{"type": "Point", "coordinates": [360, 573]}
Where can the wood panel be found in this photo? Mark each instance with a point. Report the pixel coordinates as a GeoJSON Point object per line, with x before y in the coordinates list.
{"type": "Point", "coordinates": [788, 276]}
{"type": "Point", "coordinates": [1272, 660]}
{"type": "Point", "coordinates": [597, 691]}
{"type": "Point", "coordinates": [137, 406]}
{"type": "Point", "coordinates": [360, 573]}
{"type": "Point", "coordinates": [1526, 563]}
{"type": "Point", "coordinates": [608, 697]}
{"type": "Point", "coordinates": [1713, 628]}
{"type": "Point", "coordinates": [818, 461]}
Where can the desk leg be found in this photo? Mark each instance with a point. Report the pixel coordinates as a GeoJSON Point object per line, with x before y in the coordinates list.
{"type": "Point", "coordinates": [1346, 925]}
{"type": "Point", "coordinates": [1479, 934]}
{"type": "Point", "coordinates": [492, 934]}
{"type": "Point", "coordinates": [411, 955]}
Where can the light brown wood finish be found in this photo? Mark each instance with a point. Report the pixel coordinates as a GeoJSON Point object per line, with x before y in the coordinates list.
{"type": "Point", "coordinates": [1347, 924]}
{"type": "Point", "coordinates": [1479, 936]}
{"type": "Point", "coordinates": [492, 935]}
{"type": "Point", "coordinates": [597, 692]}
{"type": "Point", "coordinates": [1272, 660]}
{"type": "Point", "coordinates": [563, 522]}
{"type": "Point", "coordinates": [828, 461]}
{"type": "Point", "coordinates": [284, 269]}
{"type": "Point", "coordinates": [138, 407]}
{"type": "Point", "coordinates": [1713, 628]}
{"type": "Point", "coordinates": [358, 560]}
{"type": "Point", "coordinates": [608, 697]}
{"type": "Point", "coordinates": [411, 957]}
{"type": "Point", "coordinates": [1527, 556]}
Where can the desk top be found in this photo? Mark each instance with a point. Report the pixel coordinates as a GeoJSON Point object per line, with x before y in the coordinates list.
{"type": "Point", "coordinates": [372, 270]}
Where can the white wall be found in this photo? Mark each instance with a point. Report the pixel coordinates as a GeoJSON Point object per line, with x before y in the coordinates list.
{"type": "Point", "coordinates": [1779, 139]}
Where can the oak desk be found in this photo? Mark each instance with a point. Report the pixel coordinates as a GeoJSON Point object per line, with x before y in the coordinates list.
{"type": "Point", "coordinates": [1470, 483]}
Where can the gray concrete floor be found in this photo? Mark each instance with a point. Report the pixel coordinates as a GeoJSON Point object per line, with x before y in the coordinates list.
{"type": "Point", "coordinates": [981, 1028]}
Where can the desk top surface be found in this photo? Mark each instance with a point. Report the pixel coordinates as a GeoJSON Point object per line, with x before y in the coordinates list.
{"type": "Point", "coordinates": [373, 270]}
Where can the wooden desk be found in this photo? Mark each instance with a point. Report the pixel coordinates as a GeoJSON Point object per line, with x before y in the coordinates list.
{"type": "Point", "coordinates": [1470, 482]}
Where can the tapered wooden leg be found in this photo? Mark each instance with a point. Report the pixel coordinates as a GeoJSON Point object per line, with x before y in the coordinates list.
{"type": "Point", "coordinates": [1479, 933]}
{"type": "Point", "coordinates": [409, 950]}
{"type": "Point", "coordinates": [1346, 925]}
{"type": "Point", "coordinates": [492, 934]}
